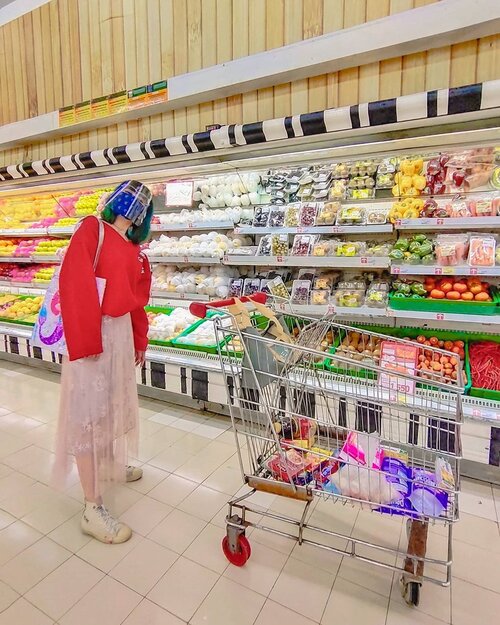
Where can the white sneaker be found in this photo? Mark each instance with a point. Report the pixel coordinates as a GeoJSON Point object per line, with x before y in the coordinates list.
{"type": "Point", "coordinates": [133, 473]}
{"type": "Point", "coordinates": [98, 522]}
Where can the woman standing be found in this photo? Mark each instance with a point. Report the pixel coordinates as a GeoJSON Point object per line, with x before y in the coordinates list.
{"type": "Point", "coordinates": [98, 421]}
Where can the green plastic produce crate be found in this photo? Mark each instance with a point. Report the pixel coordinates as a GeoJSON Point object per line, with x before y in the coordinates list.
{"type": "Point", "coordinates": [484, 393]}
{"type": "Point", "coordinates": [22, 320]}
{"type": "Point", "coordinates": [445, 305]}
{"type": "Point", "coordinates": [166, 310]}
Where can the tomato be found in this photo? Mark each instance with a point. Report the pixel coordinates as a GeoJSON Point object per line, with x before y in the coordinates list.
{"type": "Point", "coordinates": [448, 345]}
{"type": "Point", "coordinates": [460, 287]}
{"type": "Point", "coordinates": [455, 350]}
{"type": "Point", "coordinates": [467, 296]}
{"type": "Point", "coordinates": [481, 297]}
{"type": "Point", "coordinates": [440, 344]}
{"type": "Point", "coordinates": [476, 289]}
{"type": "Point", "coordinates": [434, 341]}
{"type": "Point", "coordinates": [453, 295]}
{"type": "Point", "coordinates": [421, 339]}
{"type": "Point", "coordinates": [459, 344]}
{"type": "Point", "coordinates": [446, 286]}
{"type": "Point", "coordinates": [437, 294]}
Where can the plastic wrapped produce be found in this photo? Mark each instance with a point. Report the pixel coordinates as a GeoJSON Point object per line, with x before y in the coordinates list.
{"type": "Point", "coordinates": [279, 245]}
{"type": "Point", "coordinates": [300, 292]}
{"type": "Point", "coordinates": [482, 251]}
{"type": "Point", "coordinates": [302, 244]}
{"type": "Point", "coordinates": [292, 213]}
{"type": "Point", "coordinates": [351, 216]}
{"type": "Point", "coordinates": [349, 248]}
{"type": "Point", "coordinates": [265, 245]}
{"type": "Point", "coordinates": [451, 249]}
{"type": "Point", "coordinates": [276, 217]}
{"type": "Point", "coordinates": [327, 213]}
{"type": "Point", "coordinates": [308, 214]}
{"type": "Point", "coordinates": [349, 298]}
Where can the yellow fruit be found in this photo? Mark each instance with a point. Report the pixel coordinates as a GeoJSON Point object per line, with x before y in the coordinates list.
{"type": "Point", "coordinates": [419, 182]}
{"type": "Point", "coordinates": [406, 183]}
{"type": "Point", "coordinates": [418, 165]}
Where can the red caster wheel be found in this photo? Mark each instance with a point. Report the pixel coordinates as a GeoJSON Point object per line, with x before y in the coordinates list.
{"type": "Point", "coordinates": [239, 558]}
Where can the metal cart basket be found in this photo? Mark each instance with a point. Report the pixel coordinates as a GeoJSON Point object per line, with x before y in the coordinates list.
{"type": "Point", "coordinates": [324, 410]}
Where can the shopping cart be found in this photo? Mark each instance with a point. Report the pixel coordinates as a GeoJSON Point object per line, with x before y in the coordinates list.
{"type": "Point", "coordinates": [325, 410]}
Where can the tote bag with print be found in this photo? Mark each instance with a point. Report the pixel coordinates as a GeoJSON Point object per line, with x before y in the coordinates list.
{"type": "Point", "coordinates": [48, 332]}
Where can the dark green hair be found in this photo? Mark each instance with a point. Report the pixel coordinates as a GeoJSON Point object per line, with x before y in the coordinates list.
{"type": "Point", "coordinates": [136, 234]}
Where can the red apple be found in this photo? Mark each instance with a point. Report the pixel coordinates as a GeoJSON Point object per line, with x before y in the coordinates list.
{"type": "Point", "coordinates": [443, 159]}
{"type": "Point", "coordinates": [458, 177]}
{"type": "Point", "coordinates": [433, 167]}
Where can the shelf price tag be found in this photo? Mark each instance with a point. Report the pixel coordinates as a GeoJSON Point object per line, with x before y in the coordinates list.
{"type": "Point", "coordinates": [439, 316]}
{"type": "Point", "coordinates": [280, 260]}
{"type": "Point", "coordinates": [336, 229]}
{"type": "Point", "coordinates": [439, 222]}
{"type": "Point", "coordinates": [301, 230]}
{"type": "Point", "coordinates": [364, 260]}
{"type": "Point", "coordinates": [237, 230]}
{"type": "Point", "coordinates": [330, 309]}
{"type": "Point", "coordinates": [438, 271]}
{"type": "Point", "coordinates": [448, 271]}
{"type": "Point", "coordinates": [185, 259]}
{"type": "Point", "coordinates": [396, 270]}
{"type": "Point", "coordinates": [473, 271]}
{"type": "Point", "coordinates": [190, 224]}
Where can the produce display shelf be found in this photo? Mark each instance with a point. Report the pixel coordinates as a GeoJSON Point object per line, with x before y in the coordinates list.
{"type": "Point", "coordinates": [448, 223]}
{"type": "Point", "coordinates": [191, 297]}
{"type": "Point", "coordinates": [355, 262]}
{"type": "Point", "coordinates": [21, 288]}
{"type": "Point", "coordinates": [17, 259]}
{"type": "Point", "coordinates": [60, 230]}
{"type": "Point", "coordinates": [40, 258]}
{"type": "Point", "coordinates": [366, 229]}
{"type": "Point", "coordinates": [194, 225]}
{"type": "Point", "coordinates": [24, 232]}
{"type": "Point", "coordinates": [183, 260]}
{"type": "Point", "coordinates": [321, 310]}
{"type": "Point", "coordinates": [436, 316]}
{"type": "Point", "coordinates": [455, 270]}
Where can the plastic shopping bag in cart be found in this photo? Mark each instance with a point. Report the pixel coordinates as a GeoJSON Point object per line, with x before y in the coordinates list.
{"type": "Point", "coordinates": [268, 346]}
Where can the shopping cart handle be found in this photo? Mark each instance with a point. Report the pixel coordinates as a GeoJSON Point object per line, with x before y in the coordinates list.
{"type": "Point", "coordinates": [198, 309]}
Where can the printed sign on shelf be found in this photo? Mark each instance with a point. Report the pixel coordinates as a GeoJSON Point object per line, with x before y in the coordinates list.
{"type": "Point", "coordinates": [398, 361]}
{"type": "Point", "coordinates": [179, 194]}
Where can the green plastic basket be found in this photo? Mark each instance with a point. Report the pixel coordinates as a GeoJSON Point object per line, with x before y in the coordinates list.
{"type": "Point", "coordinates": [446, 306]}
{"type": "Point", "coordinates": [166, 310]}
{"type": "Point", "coordinates": [21, 321]}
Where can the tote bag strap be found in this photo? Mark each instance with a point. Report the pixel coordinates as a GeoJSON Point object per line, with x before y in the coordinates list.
{"type": "Point", "coordinates": [99, 242]}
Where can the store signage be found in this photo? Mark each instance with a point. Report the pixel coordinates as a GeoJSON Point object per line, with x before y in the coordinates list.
{"type": "Point", "coordinates": [115, 103]}
{"type": "Point", "coordinates": [179, 194]}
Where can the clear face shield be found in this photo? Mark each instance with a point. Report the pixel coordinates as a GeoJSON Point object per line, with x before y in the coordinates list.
{"type": "Point", "coordinates": [130, 199]}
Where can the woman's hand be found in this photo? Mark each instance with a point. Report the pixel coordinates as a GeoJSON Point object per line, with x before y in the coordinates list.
{"type": "Point", "coordinates": [140, 358]}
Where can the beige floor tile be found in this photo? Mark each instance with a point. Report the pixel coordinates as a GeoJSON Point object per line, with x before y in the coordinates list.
{"type": "Point", "coordinates": [473, 604]}
{"type": "Point", "coordinates": [23, 613]}
{"type": "Point", "coordinates": [16, 538]}
{"type": "Point", "coordinates": [4, 470]}
{"type": "Point", "coordinates": [46, 518]}
{"type": "Point", "coordinates": [13, 484]}
{"type": "Point", "coordinates": [303, 588]}
{"type": "Point", "coordinates": [120, 498]}
{"type": "Point", "coordinates": [145, 515]}
{"type": "Point", "coordinates": [349, 603]}
{"type": "Point", "coordinates": [172, 490]}
{"type": "Point", "coordinates": [275, 541]}
{"type": "Point", "coordinates": [473, 530]}
{"type": "Point", "coordinates": [151, 478]}
{"type": "Point", "coordinates": [475, 565]}
{"type": "Point", "coordinates": [183, 588]}
{"type": "Point", "coordinates": [401, 614]}
{"type": "Point", "coordinates": [33, 564]}
{"type": "Point", "coordinates": [6, 519]}
{"type": "Point", "coordinates": [477, 498]}
{"type": "Point", "coordinates": [191, 443]}
{"type": "Point", "coordinates": [224, 480]}
{"type": "Point", "coordinates": [148, 613]}
{"type": "Point", "coordinates": [70, 534]}
{"type": "Point", "coordinates": [204, 503]}
{"type": "Point", "coordinates": [106, 557]}
{"type": "Point", "coordinates": [199, 467]}
{"type": "Point", "coordinates": [229, 602]}
{"type": "Point", "coordinates": [10, 444]}
{"type": "Point", "coordinates": [169, 459]}
{"type": "Point", "coordinates": [17, 424]}
{"type": "Point", "coordinates": [374, 578]}
{"type": "Point", "coordinates": [108, 602]}
{"type": "Point", "coordinates": [206, 549]}
{"type": "Point", "coordinates": [142, 567]}
{"type": "Point", "coordinates": [273, 613]}
{"type": "Point", "coordinates": [62, 588]}
{"type": "Point", "coordinates": [7, 596]}
{"type": "Point", "coordinates": [261, 571]}
{"type": "Point", "coordinates": [177, 531]}
{"type": "Point", "coordinates": [28, 499]}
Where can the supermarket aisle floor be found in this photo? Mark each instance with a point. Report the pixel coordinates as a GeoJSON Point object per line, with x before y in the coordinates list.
{"type": "Point", "coordinates": [173, 570]}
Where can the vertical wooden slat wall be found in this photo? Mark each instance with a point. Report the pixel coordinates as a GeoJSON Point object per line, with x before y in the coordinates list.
{"type": "Point", "coordinates": [68, 51]}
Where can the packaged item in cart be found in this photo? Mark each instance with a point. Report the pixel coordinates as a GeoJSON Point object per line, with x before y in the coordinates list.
{"type": "Point", "coordinates": [288, 466]}
{"type": "Point", "coordinates": [265, 246]}
{"type": "Point", "coordinates": [327, 213]}
{"type": "Point", "coordinates": [302, 244]}
{"type": "Point", "coordinates": [320, 297]}
{"type": "Point", "coordinates": [292, 213]}
{"type": "Point", "coordinates": [251, 286]}
{"type": "Point", "coordinates": [276, 217]}
{"type": "Point", "coordinates": [426, 498]}
{"type": "Point", "coordinates": [482, 251]}
{"type": "Point", "coordinates": [261, 216]}
{"type": "Point", "coordinates": [351, 216]}
{"type": "Point", "coordinates": [451, 249]}
{"type": "Point", "coordinates": [236, 287]}
{"type": "Point", "coordinates": [300, 292]}
{"type": "Point", "coordinates": [308, 214]}
{"type": "Point", "coordinates": [277, 288]}
{"type": "Point", "coordinates": [279, 245]}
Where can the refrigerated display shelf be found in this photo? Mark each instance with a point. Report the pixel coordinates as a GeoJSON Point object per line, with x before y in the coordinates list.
{"type": "Point", "coordinates": [447, 223]}
{"type": "Point", "coordinates": [449, 270]}
{"type": "Point", "coordinates": [332, 262]}
{"type": "Point", "coordinates": [183, 260]}
{"type": "Point", "coordinates": [213, 225]}
{"type": "Point", "coordinates": [365, 229]}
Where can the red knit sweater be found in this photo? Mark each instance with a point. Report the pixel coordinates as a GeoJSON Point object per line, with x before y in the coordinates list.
{"type": "Point", "coordinates": [128, 283]}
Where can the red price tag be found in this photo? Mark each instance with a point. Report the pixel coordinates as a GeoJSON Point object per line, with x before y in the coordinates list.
{"type": "Point", "coordinates": [476, 412]}
{"type": "Point", "coordinates": [237, 230]}
{"type": "Point", "coordinates": [190, 224]}
{"type": "Point", "coordinates": [336, 229]}
{"type": "Point", "coordinates": [440, 317]}
{"type": "Point", "coordinates": [473, 271]}
{"type": "Point", "coordinates": [185, 259]}
{"type": "Point", "coordinates": [364, 260]}
{"type": "Point", "coordinates": [439, 222]}
{"type": "Point", "coordinates": [300, 230]}
{"type": "Point", "coordinates": [398, 222]}
{"type": "Point", "coordinates": [331, 309]}
{"type": "Point", "coordinates": [280, 259]}
{"type": "Point", "coordinates": [396, 270]}
{"type": "Point", "coordinates": [438, 271]}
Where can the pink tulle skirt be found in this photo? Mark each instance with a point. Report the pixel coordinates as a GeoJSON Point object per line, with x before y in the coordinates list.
{"type": "Point", "coordinates": [99, 410]}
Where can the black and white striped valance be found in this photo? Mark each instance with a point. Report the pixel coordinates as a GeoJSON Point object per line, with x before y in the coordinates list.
{"type": "Point", "coordinates": [425, 105]}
